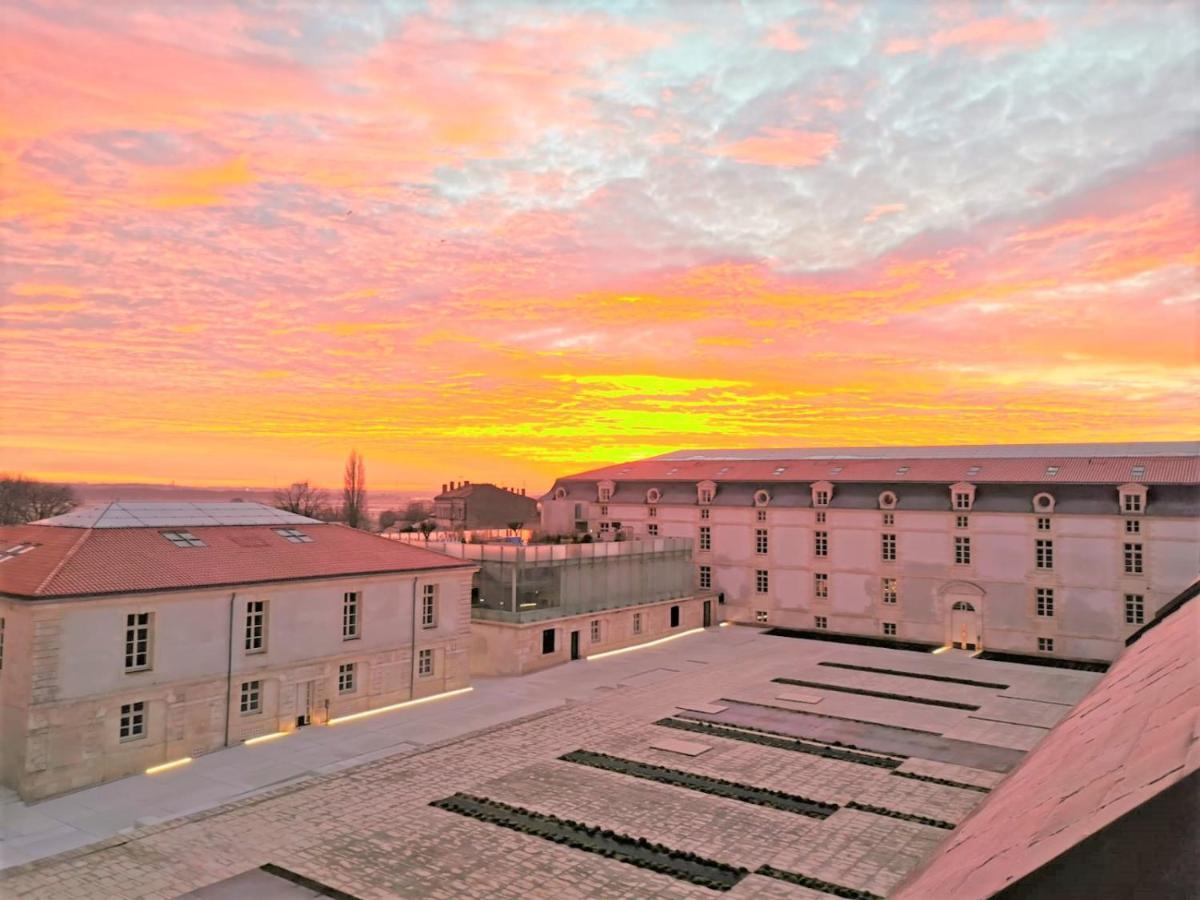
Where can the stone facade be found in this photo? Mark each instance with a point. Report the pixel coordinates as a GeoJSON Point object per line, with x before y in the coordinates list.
{"type": "Point", "coordinates": [516, 648]}
{"type": "Point", "coordinates": [64, 683]}
{"type": "Point", "coordinates": [476, 507]}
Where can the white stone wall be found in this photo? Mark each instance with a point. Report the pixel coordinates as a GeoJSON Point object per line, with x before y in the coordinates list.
{"type": "Point", "coordinates": [66, 734]}
{"type": "Point", "coordinates": [502, 648]}
{"type": "Point", "coordinates": [1088, 577]}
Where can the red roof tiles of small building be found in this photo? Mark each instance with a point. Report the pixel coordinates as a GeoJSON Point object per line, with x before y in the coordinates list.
{"type": "Point", "coordinates": [1047, 467]}
{"type": "Point", "coordinates": [69, 562]}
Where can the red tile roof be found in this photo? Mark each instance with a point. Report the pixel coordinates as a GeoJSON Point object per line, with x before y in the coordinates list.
{"type": "Point", "coordinates": [69, 562]}
{"type": "Point", "coordinates": [1071, 470]}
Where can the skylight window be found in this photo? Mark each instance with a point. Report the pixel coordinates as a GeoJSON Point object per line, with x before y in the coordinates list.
{"type": "Point", "coordinates": [903, 470]}
{"type": "Point", "coordinates": [1051, 471]}
{"type": "Point", "coordinates": [673, 470]}
{"type": "Point", "coordinates": [722, 470]}
{"type": "Point", "coordinates": [779, 470]}
{"type": "Point", "coordinates": [15, 551]}
{"type": "Point", "coordinates": [294, 535]}
{"type": "Point", "coordinates": [183, 539]}
{"type": "Point", "coordinates": [974, 470]}
{"type": "Point", "coordinates": [836, 470]}
{"type": "Point", "coordinates": [1138, 472]}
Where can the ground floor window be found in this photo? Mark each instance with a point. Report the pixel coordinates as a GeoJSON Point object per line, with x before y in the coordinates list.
{"type": "Point", "coordinates": [674, 616]}
{"type": "Point", "coordinates": [760, 615]}
{"type": "Point", "coordinates": [346, 673]}
{"type": "Point", "coordinates": [595, 631]}
{"type": "Point", "coordinates": [889, 628]}
{"type": "Point", "coordinates": [1135, 609]}
{"type": "Point", "coordinates": [548, 641]}
{"type": "Point", "coordinates": [820, 622]}
{"type": "Point", "coordinates": [424, 663]}
{"type": "Point", "coordinates": [1046, 645]}
{"type": "Point", "coordinates": [133, 721]}
{"type": "Point", "coordinates": [637, 623]}
{"type": "Point", "coordinates": [251, 701]}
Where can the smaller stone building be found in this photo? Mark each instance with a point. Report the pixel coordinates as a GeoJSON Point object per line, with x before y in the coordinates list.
{"type": "Point", "coordinates": [480, 507]}
{"type": "Point", "coordinates": [539, 605]}
{"type": "Point", "coordinates": [138, 634]}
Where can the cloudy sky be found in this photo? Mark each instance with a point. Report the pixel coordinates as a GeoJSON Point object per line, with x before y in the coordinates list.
{"type": "Point", "coordinates": [504, 241]}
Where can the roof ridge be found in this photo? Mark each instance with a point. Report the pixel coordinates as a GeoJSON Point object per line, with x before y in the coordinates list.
{"type": "Point", "coordinates": [45, 583]}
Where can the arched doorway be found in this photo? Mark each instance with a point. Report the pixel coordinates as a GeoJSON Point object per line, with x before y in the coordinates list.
{"type": "Point", "coordinates": [965, 625]}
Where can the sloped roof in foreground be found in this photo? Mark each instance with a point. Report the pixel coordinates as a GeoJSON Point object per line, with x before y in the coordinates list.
{"type": "Point", "coordinates": [1106, 805]}
{"type": "Point", "coordinates": [164, 514]}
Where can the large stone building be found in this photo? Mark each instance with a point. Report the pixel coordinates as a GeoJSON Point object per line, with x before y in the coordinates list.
{"type": "Point", "coordinates": [480, 507]}
{"type": "Point", "coordinates": [1036, 550]}
{"type": "Point", "coordinates": [137, 634]}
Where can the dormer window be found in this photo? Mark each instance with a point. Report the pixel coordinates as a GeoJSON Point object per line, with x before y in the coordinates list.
{"type": "Point", "coordinates": [887, 500]}
{"type": "Point", "coordinates": [779, 470]}
{"type": "Point", "coordinates": [560, 493]}
{"type": "Point", "coordinates": [1051, 471]}
{"type": "Point", "coordinates": [653, 495]}
{"type": "Point", "coordinates": [962, 496]}
{"type": "Point", "coordinates": [183, 538]}
{"type": "Point", "coordinates": [902, 470]}
{"type": "Point", "coordinates": [605, 494]}
{"type": "Point", "coordinates": [762, 498]}
{"type": "Point", "coordinates": [1133, 499]}
{"type": "Point", "coordinates": [705, 491]}
{"type": "Point", "coordinates": [1043, 503]}
{"type": "Point", "coordinates": [822, 493]}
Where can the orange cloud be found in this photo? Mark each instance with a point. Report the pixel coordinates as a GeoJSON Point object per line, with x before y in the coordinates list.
{"type": "Point", "coordinates": [781, 147]}
{"type": "Point", "coordinates": [196, 186]}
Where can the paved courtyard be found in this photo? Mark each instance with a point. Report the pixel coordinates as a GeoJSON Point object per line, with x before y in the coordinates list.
{"type": "Point", "coordinates": [743, 713]}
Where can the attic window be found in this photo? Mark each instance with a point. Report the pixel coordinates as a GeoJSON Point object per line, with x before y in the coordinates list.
{"type": "Point", "coordinates": [294, 536]}
{"type": "Point", "coordinates": [1138, 472]}
{"type": "Point", "coordinates": [182, 538]}
{"type": "Point", "coordinates": [902, 470]}
{"type": "Point", "coordinates": [670, 471]}
{"type": "Point", "coordinates": [1051, 471]}
{"type": "Point", "coordinates": [722, 470]}
{"type": "Point", "coordinates": [974, 470]}
{"type": "Point", "coordinates": [779, 470]}
{"type": "Point", "coordinates": [15, 551]}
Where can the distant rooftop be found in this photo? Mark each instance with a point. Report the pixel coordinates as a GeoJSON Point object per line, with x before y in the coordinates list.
{"type": "Point", "coordinates": [164, 514]}
{"type": "Point", "coordinates": [983, 451]}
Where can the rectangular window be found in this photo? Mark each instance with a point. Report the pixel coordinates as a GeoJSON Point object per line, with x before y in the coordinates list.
{"type": "Point", "coordinates": [1133, 526]}
{"type": "Point", "coordinates": [705, 537]}
{"type": "Point", "coordinates": [595, 631]}
{"type": "Point", "coordinates": [820, 622]}
{"type": "Point", "coordinates": [548, 641]}
{"type": "Point", "coordinates": [429, 606]}
{"type": "Point", "coordinates": [1133, 503]}
{"type": "Point", "coordinates": [889, 519]}
{"type": "Point", "coordinates": [1135, 609]}
{"type": "Point", "coordinates": [889, 629]}
{"type": "Point", "coordinates": [888, 547]}
{"type": "Point", "coordinates": [962, 551]}
{"type": "Point", "coordinates": [350, 616]}
{"type": "Point", "coordinates": [674, 616]}
{"type": "Point", "coordinates": [821, 498]}
{"type": "Point", "coordinates": [1, 644]}
{"type": "Point", "coordinates": [760, 581]}
{"type": "Point", "coordinates": [256, 626]}
{"type": "Point", "coordinates": [704, 513]}
{"type": "Point", "coordinates": [820, 517]}
{"type": "Point", "coordinates": [346, 678]}
{"type": "Point", "coordinates": [1043, 556]}
{"type": "Point", "coordinates": [605, 494]}
{"type": "Point", "coordinates": [760, 540]}
{"type": "Point", "coordinates": [604, 526]}
{"type": "Point", "coordinates": [137, 642]}
{"type": "Point", "coordinates": [652, 512]}
{"type": "Point", "coordinates": [960, 521]}
{"type": "Point", "coordinates": [1043, 523]}
{"type": "Point", "coordinates": [821, 543]}
{"type": "Point", "coordinates": [652, 529]}
{"type": "Point", "coordinates": [604, 510]}
{"type": "Point", "coordinates": [251, 697]}
{"type": "Point", "coordinates": [1044, 600]}
{"type": "Point", "coordinates": [1133, 559]}
{"type": "Point", "coordinates": [760, 515]}
{"type": "Point", "coordinates": [706, 496]}
{"type": "Point", "coordinates": [182, 538]}
{"type": "Point", "coordinates": [962, 500]}
{"type": "Point", "coordinates": [705, 578]}
{"type": "Point", "coordinates": [820, 584]}
{"type": "Point", "coordinates": [760, 615]}
{"type": "Point", "coordinates": [424, 663]}
{"type": "Point", "coordinates": [1046, 645]}
{"type": "Point", "coordinates": [888, 590]}
{"type": "Point", "coordinates": [637, 623]}
{"type": "Point", "coordinates": [133, 721]}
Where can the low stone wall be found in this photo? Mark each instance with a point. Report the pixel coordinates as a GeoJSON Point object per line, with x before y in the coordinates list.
{"type": "Point", "coordinates": [504, 648]}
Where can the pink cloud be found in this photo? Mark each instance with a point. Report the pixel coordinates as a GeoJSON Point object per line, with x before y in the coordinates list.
{"type": "Point", "coordinates": [979, 35]}
{"type": "Point", "coordinates": [781, 147]}
{"type": "Point", "coordinates": [784, 37]}
{"type": "Point", "coordinates": [885, 209]}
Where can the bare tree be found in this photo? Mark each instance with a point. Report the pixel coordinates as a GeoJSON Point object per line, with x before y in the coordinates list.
{"type": "Point", "coordinates": [427, 528]}
{"type": "Point", "coordinates": [515, 527]}
{"type": "Point", "coordinates": [25, 500]}
{"type": "Point", "coordinates": [354, 492]}
{"type": "Point", "coordinates": [303, 499]}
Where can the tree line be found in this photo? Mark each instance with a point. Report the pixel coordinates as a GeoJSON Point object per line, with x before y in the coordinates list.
{"type": "Point", "coordinates": [27, 500]}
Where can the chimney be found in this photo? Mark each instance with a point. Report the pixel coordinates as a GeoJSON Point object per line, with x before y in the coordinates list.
{"type": "Point", "coordinates": [466, 484]}
{"type": "Point", "coordinates": [443, 487]}
{"type": "Point", "coordinates": [522, 492]}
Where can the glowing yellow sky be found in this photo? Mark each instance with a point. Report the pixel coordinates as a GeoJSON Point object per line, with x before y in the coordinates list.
{"type": "Point", "coordinates": [504, 242]}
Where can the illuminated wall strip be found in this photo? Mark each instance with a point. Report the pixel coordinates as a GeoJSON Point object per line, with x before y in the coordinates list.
{"type": "Point", "coordinates": [406, 703]}
{"type": "Point", "coordinates": [263, 738]}
{"type": "Point", "coordinates": [941, 649]}
{"type": "Point", "coordinates": [174, 764]}
{"type": "Point", "coordinates": [669, 637]}
{"type": "Point", "coordinates": [724, 625]}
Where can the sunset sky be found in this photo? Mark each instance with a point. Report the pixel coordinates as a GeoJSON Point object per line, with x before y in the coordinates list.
{"type": "Point", "coordinates": [507, 241]}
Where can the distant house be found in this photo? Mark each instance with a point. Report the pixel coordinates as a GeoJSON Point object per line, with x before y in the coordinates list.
{"type": "Point", "coordinates": [467, 506]}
